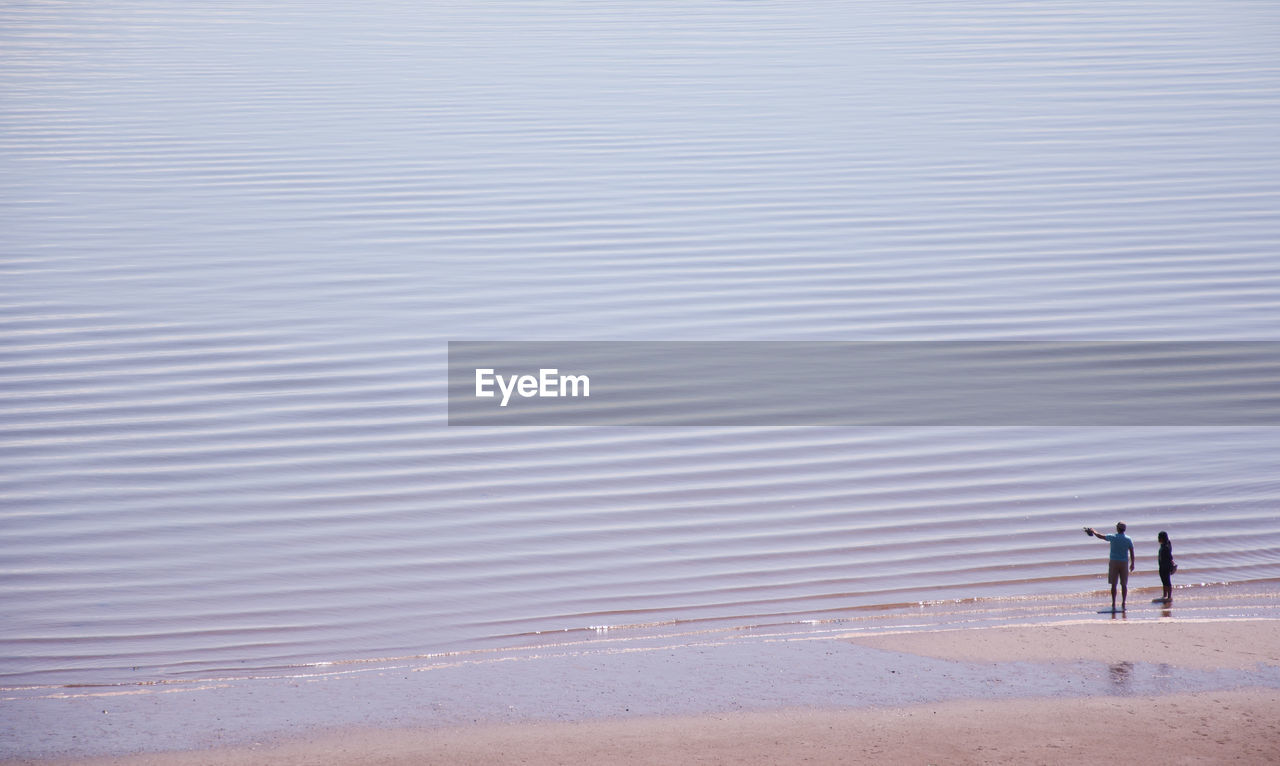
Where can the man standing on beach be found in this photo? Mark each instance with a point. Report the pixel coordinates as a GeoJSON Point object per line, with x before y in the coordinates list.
{"type": "Point", "coordinates": [1121, 551]}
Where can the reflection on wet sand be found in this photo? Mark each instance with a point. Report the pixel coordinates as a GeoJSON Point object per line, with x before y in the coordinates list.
{"type": "Point", "coordinates": [1121, 676]}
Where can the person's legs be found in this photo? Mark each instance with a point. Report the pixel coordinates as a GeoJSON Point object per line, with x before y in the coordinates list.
{"type": "Point", "coordinates": [1113, 575]}
{"type": "Point", "coordinates": [1124, 585]}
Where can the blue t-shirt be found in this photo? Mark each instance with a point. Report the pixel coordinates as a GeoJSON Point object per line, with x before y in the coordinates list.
{"type": "Point", "coordinates": [1120, 546]}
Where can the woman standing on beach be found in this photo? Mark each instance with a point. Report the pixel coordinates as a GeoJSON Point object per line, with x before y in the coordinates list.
{"type": "Point", "coordinates": [1167, 567]}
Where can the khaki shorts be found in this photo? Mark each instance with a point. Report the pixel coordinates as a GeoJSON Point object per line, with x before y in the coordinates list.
{"type": "Point", "coordinates": [1117, 570]}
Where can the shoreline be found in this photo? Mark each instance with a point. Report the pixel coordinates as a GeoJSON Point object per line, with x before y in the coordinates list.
{"type": "Point", "coordinates": [1195, 600]}
{"type": "Point", "coordinates": [696, 687]}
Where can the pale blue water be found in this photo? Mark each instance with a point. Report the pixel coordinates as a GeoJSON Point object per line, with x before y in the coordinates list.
{"type": "Point", "coordinates": [236, 237]}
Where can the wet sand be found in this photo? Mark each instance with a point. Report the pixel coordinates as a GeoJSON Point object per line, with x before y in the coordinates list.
{"type": "Point", "coordinates": [1208, 728]}
{"type": "Point", "coordinates": [1004, 717]}
{"type": "Point", "coordinates": [1241, 644]}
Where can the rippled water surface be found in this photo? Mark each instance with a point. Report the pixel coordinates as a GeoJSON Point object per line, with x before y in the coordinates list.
{"type": "Point", "coordinates": [236, 237]}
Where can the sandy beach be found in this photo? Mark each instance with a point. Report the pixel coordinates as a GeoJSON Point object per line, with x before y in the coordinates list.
{"type": "Point", "coordinates": [1238, 723]}
{"type": "Point", "coordinates": [1207, 728]}
{"type": "Point", "coordinates": [1242, 644]}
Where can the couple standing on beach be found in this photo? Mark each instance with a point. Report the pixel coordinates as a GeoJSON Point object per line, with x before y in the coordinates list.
{"type": "Point", "coordinates": [1122, 553]}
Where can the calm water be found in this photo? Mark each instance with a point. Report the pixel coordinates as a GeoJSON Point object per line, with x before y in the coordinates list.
{"type": "Point", "coordinates": [236, 237]}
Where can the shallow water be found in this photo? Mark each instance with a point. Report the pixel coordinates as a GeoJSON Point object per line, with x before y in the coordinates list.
{"type": "Point", "coordinates": [840, 663]}
{"type": "Point", "coordinates": [236, 239]}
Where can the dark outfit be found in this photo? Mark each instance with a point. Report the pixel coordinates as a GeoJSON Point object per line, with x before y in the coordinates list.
{"type": "Point", "coordinates": [1166, 563]}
